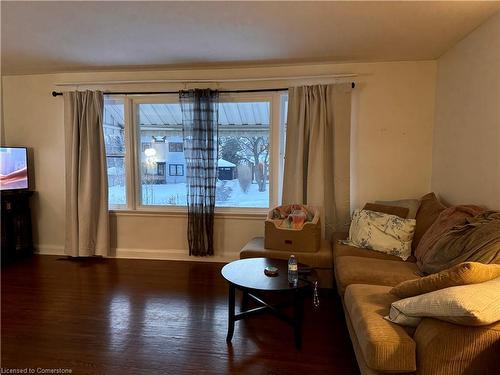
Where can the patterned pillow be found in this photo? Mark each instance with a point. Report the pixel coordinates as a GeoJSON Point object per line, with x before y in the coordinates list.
{"type": "Point", "coordinates": [377, 231]}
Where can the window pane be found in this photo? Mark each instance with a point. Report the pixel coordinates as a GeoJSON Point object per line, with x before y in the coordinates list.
{"type": "Point", "coordinates": [114, 141]}
{"type": "Point", "coordinates": [162, 157]}
{"type": "Point", "coordinates": [243, 165]}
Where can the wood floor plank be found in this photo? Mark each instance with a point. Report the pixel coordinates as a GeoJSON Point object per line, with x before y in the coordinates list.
{"type": "Point", "coordinates": [121, 316]}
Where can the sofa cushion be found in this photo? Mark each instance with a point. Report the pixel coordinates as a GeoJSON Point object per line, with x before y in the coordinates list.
{"type": "Point", "coordinates": [427, 213]}
{"type": "Point", "coordinates": [385, 346]}
{"type": "Point", "coordinates": [411, 204]}
{"type": "Point", "coordinates": [357, 270]}
{"type": "Point", "coordinates": [461, 274]}
{"type": "Point", "coordinates": [341, 249]}
{"type": "Point", "coordinates": [448, 349]}
{"type": "Point", "coordinates": [401, 212]}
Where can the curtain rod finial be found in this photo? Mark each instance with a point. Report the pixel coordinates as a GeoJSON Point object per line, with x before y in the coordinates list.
{"type": "Point", "coordinates": [55, 93]}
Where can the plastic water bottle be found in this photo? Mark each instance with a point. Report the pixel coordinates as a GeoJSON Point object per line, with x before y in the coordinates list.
{"type": "Point", "coordinates": [293, 271]}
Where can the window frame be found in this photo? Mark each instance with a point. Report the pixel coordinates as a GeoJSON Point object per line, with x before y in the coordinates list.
{"type": "Point", "coordinates": [132, 159]}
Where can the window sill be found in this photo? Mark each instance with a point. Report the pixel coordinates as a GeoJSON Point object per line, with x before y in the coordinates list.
{"type": "Point", "coordinates": [221, 213]}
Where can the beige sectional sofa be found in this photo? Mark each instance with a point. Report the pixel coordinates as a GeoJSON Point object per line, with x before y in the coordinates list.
{"type": "Point", "coordinates": [364, 279]}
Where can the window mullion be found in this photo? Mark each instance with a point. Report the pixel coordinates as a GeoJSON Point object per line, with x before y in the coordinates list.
{"type": "Point", "coordinates": [130, 156]}
{"type": "Point", "coordinates": [274, 144]}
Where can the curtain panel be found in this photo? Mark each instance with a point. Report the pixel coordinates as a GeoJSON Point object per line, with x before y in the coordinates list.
{"type": "Point", "coordinates": [317, 154]}
{"type": "Point", "coordinates": [87, 223]}
{"type": "Point", "coordinates": [200, 133]}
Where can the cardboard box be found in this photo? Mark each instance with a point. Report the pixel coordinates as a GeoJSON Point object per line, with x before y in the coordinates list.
{"type": "Point", "coordinates": [307, 239]}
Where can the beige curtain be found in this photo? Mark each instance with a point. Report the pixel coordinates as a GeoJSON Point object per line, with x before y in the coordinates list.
{"type": "Point", "coordinates": [317, 161]}
{"type": "Point", "coordinates": [87, 222]}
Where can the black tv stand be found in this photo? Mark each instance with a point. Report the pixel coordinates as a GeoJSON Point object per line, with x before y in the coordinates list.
{"type": "Point", "coordinates": [17, 238]}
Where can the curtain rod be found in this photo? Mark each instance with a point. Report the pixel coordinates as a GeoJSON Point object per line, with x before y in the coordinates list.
{"type": "Point", "coordinates": [56, 93]}
{"type": "Point", "coordinates": [145, 81]}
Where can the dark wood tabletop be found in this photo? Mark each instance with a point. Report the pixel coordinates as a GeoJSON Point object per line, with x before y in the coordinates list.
{"type": "Point", "coordinates": [249, 274]}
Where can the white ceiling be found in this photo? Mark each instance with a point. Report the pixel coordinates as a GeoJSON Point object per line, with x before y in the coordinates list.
{"type": "Point", "coordinates": [56, 36]}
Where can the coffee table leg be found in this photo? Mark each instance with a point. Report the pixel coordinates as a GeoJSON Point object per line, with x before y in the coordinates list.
{"type": "Point", "coordinates": [244, 301]}
{"type": "Point", "coordinates": [230, 329]}
{"type": "Point", "coordinates": [299, 312]}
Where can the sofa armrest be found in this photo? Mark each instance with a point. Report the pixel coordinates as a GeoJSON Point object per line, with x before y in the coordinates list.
{"type": "Point", "coordinates": [449, 349]}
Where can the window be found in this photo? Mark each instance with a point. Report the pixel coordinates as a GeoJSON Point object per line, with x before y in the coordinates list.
{"type": "Point", "coordinates": [160, 168]}
{"type": "Point", "coordinates": [176, 169]}
{"type": "Point", "coordinates": [250, 158]}
{"type": "Point", "coordinates": [160, 120]}
{"type": "Point", "coordinates": [175, 147]}
{"type": "Point", "coordinates": [114, 142]}
{"type": "Point", "coordinates": [244, 154]}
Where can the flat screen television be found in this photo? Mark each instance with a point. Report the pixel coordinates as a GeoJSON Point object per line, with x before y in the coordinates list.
{"type": "Point", "coordinates": [14, 168]}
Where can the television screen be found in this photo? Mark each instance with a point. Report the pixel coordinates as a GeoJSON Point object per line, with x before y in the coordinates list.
{"type": "Point", "coordinates": [13, 168]}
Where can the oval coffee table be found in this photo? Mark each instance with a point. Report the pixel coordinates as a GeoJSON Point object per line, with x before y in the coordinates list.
{"type": "Point", "coordinates": [248, 276]}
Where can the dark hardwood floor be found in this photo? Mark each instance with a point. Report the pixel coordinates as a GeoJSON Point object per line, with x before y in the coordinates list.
{"type": "Point", "coordinates": [120, 316]}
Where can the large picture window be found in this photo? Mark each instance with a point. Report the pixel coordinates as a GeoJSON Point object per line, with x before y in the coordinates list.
{"type": "Point", "coordinates": [250, 148]}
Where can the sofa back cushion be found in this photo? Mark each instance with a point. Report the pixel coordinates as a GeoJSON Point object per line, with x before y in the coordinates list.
{"type": "Point", "coordinates": [401, 212]}
{"type": "Point", "coordinates": [411, 204]}
{"type": "Point", "coordinates": [461, 274]}
{"type": "Point", "coordinates": [427, 213]}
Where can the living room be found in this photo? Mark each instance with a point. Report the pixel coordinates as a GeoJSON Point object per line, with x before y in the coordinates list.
{"type": "Point", "coordinates": [410, 94]}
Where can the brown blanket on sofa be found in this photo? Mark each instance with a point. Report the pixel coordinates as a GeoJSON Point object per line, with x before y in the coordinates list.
{"type": "Point", "coordinates": [447, 219]}
{"type": "Point", "coordinates": [478, 240]}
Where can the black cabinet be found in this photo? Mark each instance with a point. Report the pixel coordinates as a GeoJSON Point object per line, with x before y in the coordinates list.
{"type": "Point", "coordinates": [17, 238]}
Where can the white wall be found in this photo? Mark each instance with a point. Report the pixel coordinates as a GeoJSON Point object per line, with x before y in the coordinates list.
{"type": "Point", "coordinates": [393, 108]}
{"type": "Point", "coordinates": [466, 162]}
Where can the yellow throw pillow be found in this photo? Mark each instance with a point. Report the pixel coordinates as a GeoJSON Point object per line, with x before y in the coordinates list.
{"type": "Point", "coordinates": [468, 305]}
{"type": "Point", "coordinates": [461, 274]}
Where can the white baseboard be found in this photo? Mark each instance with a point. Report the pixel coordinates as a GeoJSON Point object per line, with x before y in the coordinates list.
{"type": "Point", "coordinates": [49, 250]}
{"type": "Point", "coordinates": [158, 254]}
{"type": "Point", "coordinates": [170, 254]}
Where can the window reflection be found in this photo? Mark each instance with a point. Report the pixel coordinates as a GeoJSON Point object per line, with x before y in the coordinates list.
{"type": "Point", "coordinates": [119, 321]}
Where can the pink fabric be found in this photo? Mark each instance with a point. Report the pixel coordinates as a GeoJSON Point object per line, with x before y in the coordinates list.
{"type": "Point", "coordinates": [446, 220]}
{"type": "Point", "coordinates": [291, 216]}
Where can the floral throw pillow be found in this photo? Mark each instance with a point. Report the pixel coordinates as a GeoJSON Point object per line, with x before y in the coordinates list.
{"type": "Point", "coordinates": [377, 231]}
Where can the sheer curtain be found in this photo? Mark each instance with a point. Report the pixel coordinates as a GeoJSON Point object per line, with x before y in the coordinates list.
{"type": "Point", "coordinates": [200, 132]}
{"type": "Point", "coordinates": [87, 224]}
{"type": "Point", "coordinates": [317, 154]}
